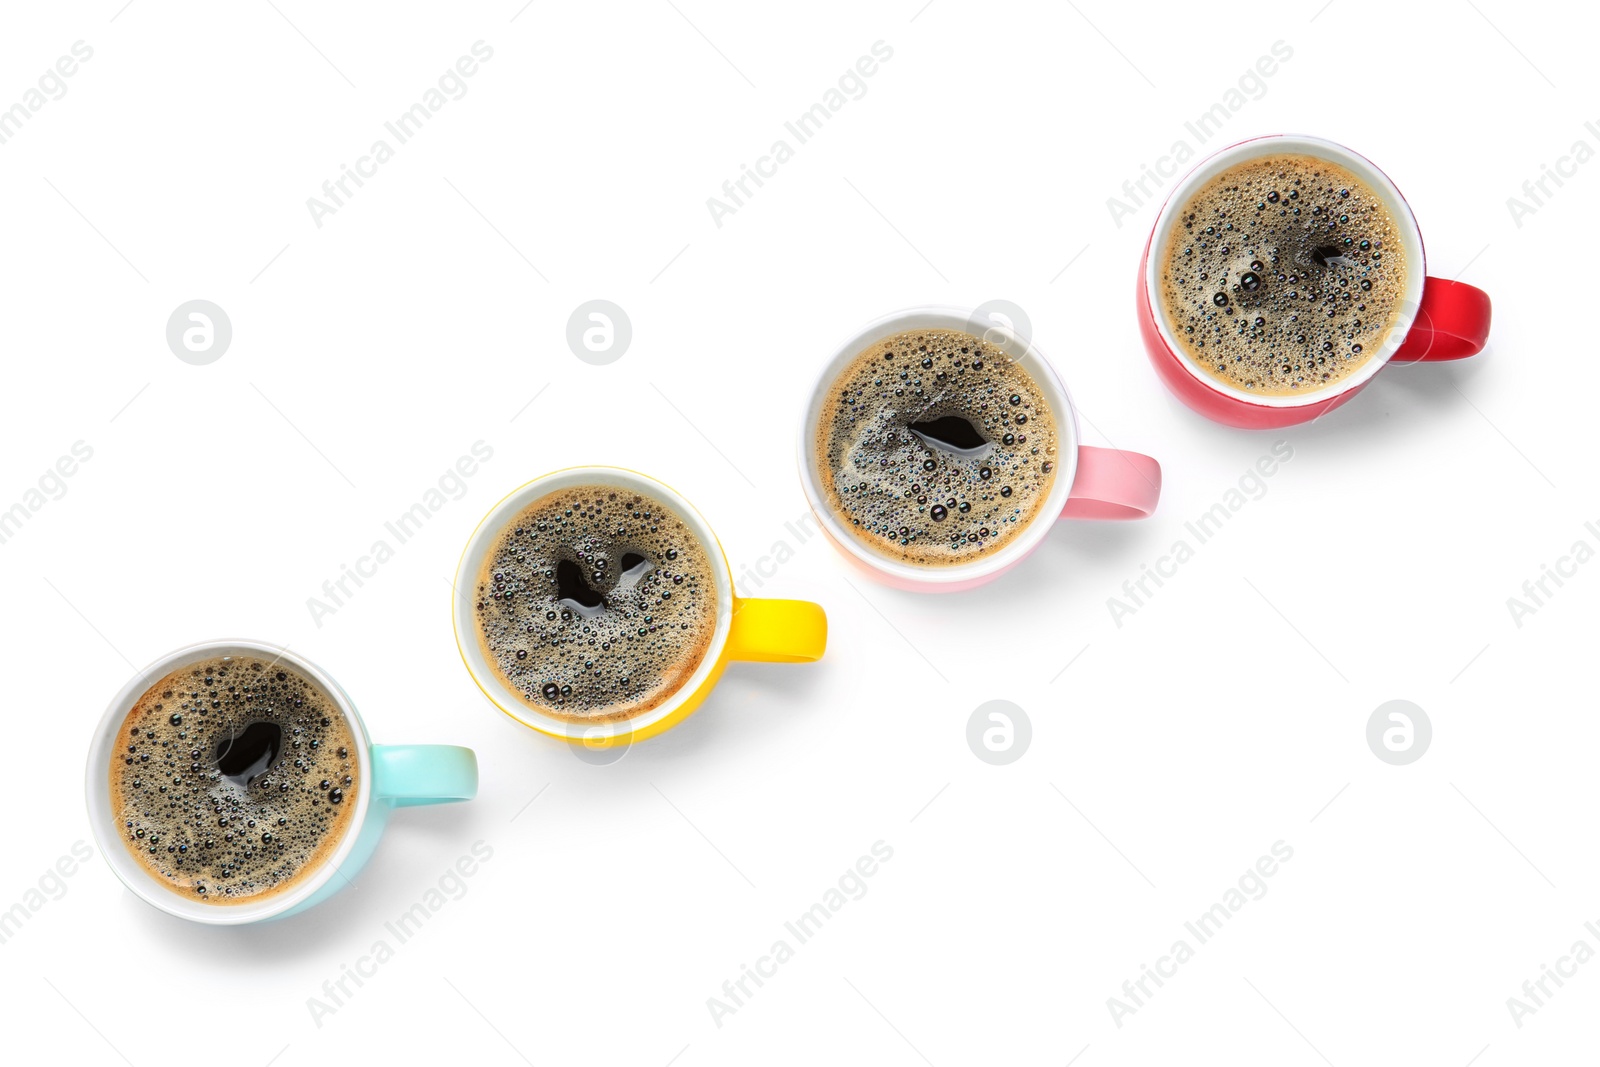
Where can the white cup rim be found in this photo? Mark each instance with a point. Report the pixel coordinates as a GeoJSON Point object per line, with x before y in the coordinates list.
{"type": "Point", "coordinates": [1038, 367]}
{"type": "Point", "coordinates": [109, 839]}
{"type": "Point", "coordinates": [472, 557]}
{"type": "Point", "coordinates": [1361, 167]}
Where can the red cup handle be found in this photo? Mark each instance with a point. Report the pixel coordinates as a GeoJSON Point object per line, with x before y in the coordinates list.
{"type": "Point", "coordinates": [1113, 485]}
{"type": "Point", "coordinates": [1452, 323]}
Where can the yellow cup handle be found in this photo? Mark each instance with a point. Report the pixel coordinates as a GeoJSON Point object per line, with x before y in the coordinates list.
{"type": "Point", "coordinates": [777, 631]}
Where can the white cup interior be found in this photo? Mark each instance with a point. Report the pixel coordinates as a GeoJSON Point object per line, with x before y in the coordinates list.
{"type": "Point", "coordinates": [108, 836]}
{"type": "Point", "coordinates": [1362, 168]}
{"type": "Point", "coordinates": [482, 542]}
{"type": "Point", "coordinates": [1030, 358]}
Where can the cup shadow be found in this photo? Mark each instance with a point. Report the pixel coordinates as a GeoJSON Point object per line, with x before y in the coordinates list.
{"type": "Point", "coordinates": [1071, 554]}
{"type": "Point", "coordinates": [1395, 406]}
{"type": "Point", "coordinates": [749, 696]}
{"type": "Point", "coordinates": [355, 908]}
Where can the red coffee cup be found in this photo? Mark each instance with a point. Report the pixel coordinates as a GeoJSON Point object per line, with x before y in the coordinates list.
{"type": "Point", "coordinates": [1439, 319]}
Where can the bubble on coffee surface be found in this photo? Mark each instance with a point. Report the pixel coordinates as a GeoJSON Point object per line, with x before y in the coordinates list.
{"type": "Point", "coordinates": [935, 447]}
{"type": "Point", "coordinates": [596, 603]}
{"type": "Point", "coordinates": [233, 778]}
{"type": "Point", "coordinates": [1282, 275]}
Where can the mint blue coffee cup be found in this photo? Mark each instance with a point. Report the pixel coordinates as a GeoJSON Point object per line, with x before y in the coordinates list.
{"type": "Point", "coordinates": [390, 777]}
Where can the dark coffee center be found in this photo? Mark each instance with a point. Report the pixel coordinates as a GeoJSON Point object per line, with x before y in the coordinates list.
{"type": "Point", "coordinates": [249, 754]}
{"type": "Point", "coordinates": [951, 433]}
{"type": "Point", "coordinates": [1328, 256]}
{"type": "Point", "coordinates": [574, 591]}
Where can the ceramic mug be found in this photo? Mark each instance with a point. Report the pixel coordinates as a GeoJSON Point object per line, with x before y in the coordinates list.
{"type": "Point", "coordinates": [748, 629]}
{"type": "Point", "coordinates": [1439, 319]}
{"type": "Point", "coordinates": [1090, 482]}
{"type": "Point", "coordinates": [391, 776]}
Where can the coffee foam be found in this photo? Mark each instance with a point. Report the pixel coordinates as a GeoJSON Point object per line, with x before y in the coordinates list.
{"type": "Point", "coordinates": [596, 604]}
{"type": "Point", "coordinates": [1282, 275]}
{"type": "Point", "coordinates": [225, 840]}
{"type": "Point", "coordinates": [917, 495]}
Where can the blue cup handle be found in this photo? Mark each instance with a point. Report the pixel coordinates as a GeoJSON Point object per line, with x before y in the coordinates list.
{"type": "Point", "coordinates": [412, 775]}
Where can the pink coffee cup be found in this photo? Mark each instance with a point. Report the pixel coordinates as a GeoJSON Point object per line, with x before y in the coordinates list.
{"type": "Point", "coordinates": [1090, 482]}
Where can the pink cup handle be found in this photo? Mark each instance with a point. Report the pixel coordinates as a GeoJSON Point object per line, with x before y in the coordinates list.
{"type": "Point", "coordinates": [1113, 485]}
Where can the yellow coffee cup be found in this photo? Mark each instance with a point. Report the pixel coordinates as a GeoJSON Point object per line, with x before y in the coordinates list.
{"type": "Point", "coordinates": [747, 628]}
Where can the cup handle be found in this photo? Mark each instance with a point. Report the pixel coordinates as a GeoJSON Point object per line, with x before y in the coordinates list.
{"type": "Point", "coordinates": [1452, 323]}
{"type": "Point", "coordinates": [1111, 484]}
{"type": "Point", "coordinates": [777, 631]}
{"type": "Point", "coordinates": [412, 775]}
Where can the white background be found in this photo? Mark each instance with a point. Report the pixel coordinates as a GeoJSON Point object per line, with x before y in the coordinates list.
{"type": "Point", "coordinates": [1225, 715]}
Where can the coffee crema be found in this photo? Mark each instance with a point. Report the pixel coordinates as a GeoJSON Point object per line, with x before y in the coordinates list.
{"type": "Point", "coordinates": [935, 447]}
{"type": "Point", "coordinates": [1283, 275]}
{"type": "Point", "coordinates": [596, 604]}
{"type": "Point", "coordinates": [234, 779]}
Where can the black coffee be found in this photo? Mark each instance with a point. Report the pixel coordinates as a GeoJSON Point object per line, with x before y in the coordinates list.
{"type": "Point", "coordinates": [596, 603]}
{"type": "Point", "coordinates": [935, 447]}
{"type": "Point", "coordinates": [1282, 275]}
{"type": "Point", "coordinates": [233, 779]}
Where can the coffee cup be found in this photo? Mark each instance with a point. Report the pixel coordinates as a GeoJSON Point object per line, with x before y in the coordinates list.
{"type": "Point", "coordinates": [951, 501]}
{"type": "Point", "coordinates": [595, 605]}
{"type": "Point", "coordinates": [1306, 319]}
{"type": "Point", "coordinates": [231, 860]}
